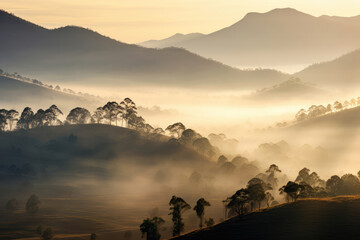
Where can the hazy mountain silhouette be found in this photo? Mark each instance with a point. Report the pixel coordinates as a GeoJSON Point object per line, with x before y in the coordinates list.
{"type": "Point", "coordinates": [329, 218]}
{"type": "Point", "coordinates": [78, 55]}
{"type": "Point", "coordinates": [279, 37]}
{"type": "Point", "coordinates": [170, 41]}
{"type": "Point", "coordinates": [290, 90]}
{"type": "Point", "coordinates": [343, 72]}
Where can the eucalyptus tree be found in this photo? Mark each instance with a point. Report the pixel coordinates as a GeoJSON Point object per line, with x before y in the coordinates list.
{"type": "Point", "coordinates": [79, 116]}
{"type": "Point", "coordinates": [176, 129]}
{"type": "Point", "coordinates": [26, 118]}
{"type": "Point", "coordinates": [111, 110]}
{"type": "Point", "coordinates": [177, 207]}
{"type": "Point", "coordinates": [200, 209]}
{"type": "Point", "coordinates": [51, 115]}
{"type": "Point", "coordinates": [128, 109]}
{"type": "Point", "coordinates": [150, 227]}
{"type": "Point", "coordinates": [98, 115]}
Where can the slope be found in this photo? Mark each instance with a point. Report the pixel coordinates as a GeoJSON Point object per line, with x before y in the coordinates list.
{"type": "Point", "coordinates": [81, 56]}
{"type": "Point", "coordinates": [330, 218]}
{"type": "Point", "coordinates": [278, 37]}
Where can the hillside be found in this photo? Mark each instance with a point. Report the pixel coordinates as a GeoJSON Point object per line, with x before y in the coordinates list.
{"type": "Point", "coordinates": [278, 37]}
{"type": "Point", "coordinates": [20, 94]}
{"type": "Point", "coordinates": [291, 90]}
{"type": "Point", "coordinates": [330, 218]}
{"type": "Point", "coordinates": [170, 41]}
{"type": "Point", "coordinates": [80, 56]}
{"type": "Point", "coordinates": [343, 72]}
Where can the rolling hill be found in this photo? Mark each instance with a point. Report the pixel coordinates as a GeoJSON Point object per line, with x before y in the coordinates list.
{"type": "Point", "coordinates": [20, 94]}
{"type": "Point", "coordinates": [342, 72]}
{"type": "Point", "coordinates": [170, 41]}
{"type": "Point", "coordinates": [80, 56]}
{"type": "Point", "coordinates": [278, 37]}
{"type": "Point", "coordinates": [329, 218]}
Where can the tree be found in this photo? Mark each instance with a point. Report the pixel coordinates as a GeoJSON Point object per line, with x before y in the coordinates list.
{"type": "Point", "coordinates": [177, 207]}
{"type": "Point", "coordinates": [257, 191]}
{"type": "Point", "coordinates": [150, 227]}
{"type": "Point", "coordinates": [38, 119]}
{"type": "Point", "coordinates": [11, 117]}
{"type": "Point", "coordinates": [338, 106]}
{"type": "Point", "coordinates": [51, 115]}
{"type": "Point", "coordinates": [111, 110]}
{"type": "Point", "coordinates": [32, 205]}
{"type": "Point", "coordinates": [176, 129]}
{"type": "Point", "coordinates": [334, 185]}
{"type": "Point", "coordinates": [210, 222]}
{"type": "Point", "coordinates": [268, 199]}
{"type": "Point", "coordinates": [301, 115]}
{"type": "Point", "coordinates": [203, 146]}
{"type": "Point", "coordinates": [2, 123]}
{"type": "Point", "coordinates": [221, 160]}
{"type": "Point", "coordinates": [159, 131]}
{"type": "Point", "coordinates": [351, 184]}
{"type": "Point", "coordinates": [292, 190]}
{"type": "Point", "coordinates": [273, 169]}
{"type": "Point", "coordinates": [237, 202]}
{"type": "Point", "coordinates": [26, 118]}
{"type": "Point", "coordinates": [79, 116]}
{"type": "Point", "coordinates": [98, 115]}
{"type": "Point", "coordinates": [136, 122]}
{"type": "Point", "coordinates": [188, 136]}
{"type": "Point", "coordinates": [47, 234]}
{"type": "Point", "coordinates": [200, 209]}
{"type": "Point", "coordinates": [12, 205]}
{"type": "Point", "coordinates": [129, 108]}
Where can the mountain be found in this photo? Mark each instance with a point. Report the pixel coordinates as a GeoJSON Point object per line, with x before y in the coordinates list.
{"type": "Point", "coordinates": [80, 56]}
{"type": "Point", "coordinates": [328, 218]}
{"type": "Point", "coordinates": [277, 38]}
{"type": "Point", "coordinates": [291, 90]}
{"type": "Point", "coordinates": [19, 94]}
{"type": "Point", "coordinates": [342, 72]}
{"type": "Point", "coordinates": [170, 41]}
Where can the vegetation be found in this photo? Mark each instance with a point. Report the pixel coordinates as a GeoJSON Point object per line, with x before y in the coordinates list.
{"type": "Point", "coordinates": [150, 227]}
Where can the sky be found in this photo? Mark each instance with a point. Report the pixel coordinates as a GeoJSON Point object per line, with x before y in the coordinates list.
{"type": "Point", "coordinates": [134, 21]}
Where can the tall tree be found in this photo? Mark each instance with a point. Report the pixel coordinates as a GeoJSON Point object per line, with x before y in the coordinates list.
{"type": "Point", "coordinates": [177, 207]}
{"type": "Point", "coordinates": [51, 115]}
{"type": "Point", "coordinates": [150, 227]}
{"type": "Point", "coordinates": [111, 110]}
{"type": "Point", "coordinates": [238, 201]}
{"type": "Point", "coordinates": [26, 118]}
{"type": "Point", "coordinates": [79, 116]}
{"type": "Point", "coordinates": [200, 209]}
{"type": "Point", "coordinates": [128, 108]}
{"type": "Point", "coordinates": [176, 129]}
{"type": "Point", "coordinates": [11, 117]}
{"type": "Point", "coordinates": [98, 115]}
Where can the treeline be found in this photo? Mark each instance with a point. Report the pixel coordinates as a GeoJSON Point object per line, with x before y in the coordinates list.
{"type": "Point", "coordinates": [320, 110]}
{"type": "Point", "coordinates": [111, 113]}
{"type": "Point", "coordinates": [17, 76]}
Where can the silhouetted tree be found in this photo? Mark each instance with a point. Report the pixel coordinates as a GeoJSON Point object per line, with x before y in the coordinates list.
{"type": "Point", "coordinates": [292, 190]}
{"type": "Point", "coordinates": [209, 222]}
{"type": "Point", "coordinates": [177, 207]}
{"type": "Point", "coordinates": [334, 185]}
{"type": "Point", "coordinates": [47, 234]}
{"type": "Point", "coordinates": [26, 118]}
{"type": "Point", "coordinates": [111, 110]}
{"type": "Point", "coordinates": [200, 209]}
{"type": "Point", "coordinates": [150, 227]}
{"type": "Point", "coordinates": [338, 106]}
{"type": "Point", "coordinates": [32, 205]}
{"type": "Point", "coordinates": [2, 123]}
{"type": "Point", "coordinates": [188, 136]}
{"type": "Point", "coordinates": [203, 146]}
{"type": "Point", "coordinates": [12, 205]}
{"type": "Point", "coordinates": [79, 116]}
{"type": "Point", "coordinates": [51, 115]}
{"type": "Point", "coordinates": [176, 129]}
{"type": "Point", "coordinates": [273, 169]}
{"type": "Point", "coordinates": [256, 188]}
{"type": "Point", "coordinates": [129, 108]}
{"type": "Point", "coordinates": [351, 184]}
{"type": "Point", "coordinates": [39, 118]}
{"type": "Point", "coordinates": [98, 115]}
{"type": "Point", "coordinates": [268, 199]}
{"type": "Point", "coordinates": [221, 160]}
{"type": "Point", "coordinates": [238, 201]}
{"type": "Point", "coordinates": [159, 131]}
{"type": "Point", "coordinates": [136, 122]}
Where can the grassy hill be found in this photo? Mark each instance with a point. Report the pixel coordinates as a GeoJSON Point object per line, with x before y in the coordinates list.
{"type": "Point", "coordinates": [329, 218]}
{"type": "Point", "coordinates": [80, 56]}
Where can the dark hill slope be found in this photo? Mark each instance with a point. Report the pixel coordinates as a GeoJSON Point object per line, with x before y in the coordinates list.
{"type": "Point", "coordinates": [333, 218]}
{"type": "Point", "coordinates": [81, 56]}
{"type": "Point", "coordinates": [19, 94]}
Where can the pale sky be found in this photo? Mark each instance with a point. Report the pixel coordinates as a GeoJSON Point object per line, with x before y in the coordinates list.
{"type": "Point", "coordinates": [133, 21]}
